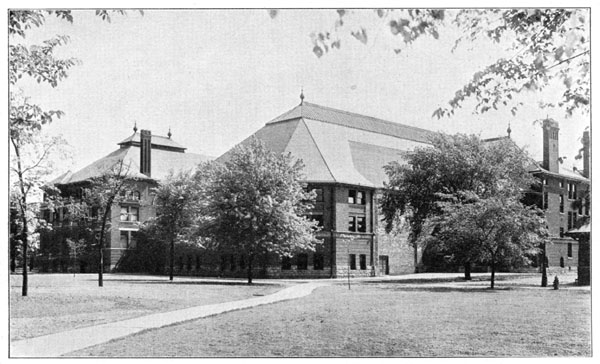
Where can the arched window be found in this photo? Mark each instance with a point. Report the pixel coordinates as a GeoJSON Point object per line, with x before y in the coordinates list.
{"type": "Point", "coordinates": [562, 262]}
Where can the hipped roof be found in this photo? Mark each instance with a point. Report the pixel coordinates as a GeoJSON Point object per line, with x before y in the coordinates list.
{"type": "Point", "coordinates": [163, 162]}
{"type": "Point", "coordinates": [337, 146]}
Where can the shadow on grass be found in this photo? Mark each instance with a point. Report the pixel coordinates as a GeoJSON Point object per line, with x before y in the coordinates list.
{"type": "Point", "coordinates": [444, 280]}
{"type": "Point", "coordinates": [190, 283]}
{"type": "Point", "coordinates": [451, 289]}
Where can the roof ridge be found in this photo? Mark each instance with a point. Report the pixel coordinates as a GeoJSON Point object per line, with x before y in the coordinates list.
{"type": "Point", "coordinates": [366, 116]}
{"type": "Point", "coordinates": [317, 146]}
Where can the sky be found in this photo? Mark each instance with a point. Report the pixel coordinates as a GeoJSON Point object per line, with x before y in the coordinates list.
{"type": "Point", "coordinates": [214, 77]}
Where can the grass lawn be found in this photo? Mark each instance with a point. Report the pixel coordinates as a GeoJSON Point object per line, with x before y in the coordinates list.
{"type": "Point", "coordinates": [59, 302]}
{"type": "Point", "coordinates": [384, 319]}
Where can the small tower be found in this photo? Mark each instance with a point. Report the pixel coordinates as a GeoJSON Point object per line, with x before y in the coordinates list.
{"type": "Point", "coordinates": [550, 145]}
{"type": "Point", "coordinates": [301, 96]}
{"type": "Point", "coordinates": [508, 130]}
{"type": "Point", "coordinates": [135, 127]}
{"type": "Point", "coordinates": [169, 133]}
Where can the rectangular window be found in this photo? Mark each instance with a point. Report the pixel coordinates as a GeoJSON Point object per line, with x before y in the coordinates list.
{"type": "Point", "coordinates": [545, 200]}
{"type": "Point", "coordinates": [351, 196]}
{"type": "Point", "coordinates": [319, 192]}
{"type": "Point", "coordinates": [134, 213]}
{"type": "Point", "coordinates": [286, 263]}
{"type": "Point", "coordinates": [570, 250]}
{"type": "Point", "coordinates": [132, 240]}
{"type": "Point", "coordinates": [580, 210]}
{"type": "Point", "coordinates": [569, 220]}
{"type": "Point", "coordinates": [302, 261]}
{"type": "Point", "coordinates": [361, 225]}
{"type": "Point", "coordinates": [360, 198]}
{"type": "Point", "coordinates": [124, 213]}
{"type": "Point", "coordinates": [356, 197]}
{"type": "Point", "coordinates": [561, 183]}
{"type": "Point", "coordinates": [562, 232]}
{"type": "Point", "coordinates": [124, 239]}
{"type": "Point", "coordinates": [242, 262]}
{"type": "Point", "coordinates": [352, 261]}
{"type": "Point", "coordinates": [318, 261]}
{"type": "Point", "coordinates": [545, 181]}
{"type": "Point", "coordinates": [572, 187]}
{"type": "Point", "coordinates": [130, 213]}
{"type": "Point", "coordinates": [561, 206]}
{"type": "Point", "coordinates": [363, 262]}
{"type": "Point", "coordinates": [352, 223]}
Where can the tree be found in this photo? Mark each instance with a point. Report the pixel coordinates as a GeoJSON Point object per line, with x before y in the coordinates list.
{"type": "Point", "coordinates": [31, 163]}
{"type": "Point", "coordinates": [104, 192]}
{"type": "Point", "coordinates": [176, 210]}
{"type": "Point", "coordinates": [255, 204]}
{"type": "Point", "coordinates": [543, 45]}
{"type": "Point", "coordinates": [494, 230]}
{"type": "Point", "coordinates": [26, 118]}
{"type": "Point", "coordinates": [455, 164]}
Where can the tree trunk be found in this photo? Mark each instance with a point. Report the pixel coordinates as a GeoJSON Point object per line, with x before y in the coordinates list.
{"type": "Point", "coordinates": [171, 258]}
{"type": "Point", "coordinates": [25, 278]}
{"type": "Point", "coordinates": [493, 274]}
{"type": "Point", "coordinates": [416, 257]}
{"type": "Point", "coordinates": [467, 271]}
{"type": "Point", "coordinates": [101, 245]}
{"type": "Point", "coordinates": [250, 261]}
{"type": "Point", "coordinates": [101, 258]}
{"type": "Point", "coordinates": [23, 208]}
{"type": "Point", "coordinates": [544, 276]}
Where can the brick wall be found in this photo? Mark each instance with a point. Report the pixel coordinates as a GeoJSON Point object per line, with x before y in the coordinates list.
{"type": "Point", "coordinates": [396, 247]}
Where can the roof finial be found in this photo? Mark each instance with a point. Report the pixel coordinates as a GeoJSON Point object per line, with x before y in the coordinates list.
{"type": "Point", "coordinates": [135, 126]}
{"type": "Point", "coordinates": [301, 95]}
{"type": "Point", "coordinates": [509, 129]}
{"type": "Point", "coordinates": [169, 133]}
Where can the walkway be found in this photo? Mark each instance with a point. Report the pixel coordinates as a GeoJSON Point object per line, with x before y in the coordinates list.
{"type": "Point", "coordinates": [62, 343]}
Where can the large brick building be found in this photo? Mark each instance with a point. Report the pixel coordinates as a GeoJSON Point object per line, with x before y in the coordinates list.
{"type": "Point", "coordinates": [147, 159]}
{"type": "Point", "coordinates": [564, 195]}
{"type": "Point", "coordinates": [344, 154]}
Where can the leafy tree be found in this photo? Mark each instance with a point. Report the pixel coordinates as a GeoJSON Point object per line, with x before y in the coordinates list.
{"type": "Point", "coordinates": [494, 230]}
{"type": "Point", "coordinates": [254, 204]}
{"type": "Point", "coordinates": [26, 118]}
{"type": "Point", "coordinates": [31, 163]}
{"type": "Point", "coordinates": [543, 44]}
{"type": "Point", "coordinates": [455, 164]}
{"type": "Point", "coordinates": [104, 192]}
{"type": "Point", "coordinates": [176, 210]}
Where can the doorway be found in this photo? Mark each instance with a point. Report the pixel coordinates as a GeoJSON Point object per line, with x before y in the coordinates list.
{"type": "Point", "coordinates": [384, 264]}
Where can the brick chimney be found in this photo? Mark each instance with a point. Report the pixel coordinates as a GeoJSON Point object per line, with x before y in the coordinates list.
{"type": "Point", "coordinates": [550, 161]}
{"type": "Point", "coordinates": [145, 152]}
{"type": "Point", "coordinates": [586, 153]}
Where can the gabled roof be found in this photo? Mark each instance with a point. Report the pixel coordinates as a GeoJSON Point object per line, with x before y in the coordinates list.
{"type": "Point", "coordinates": [338, 146]}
